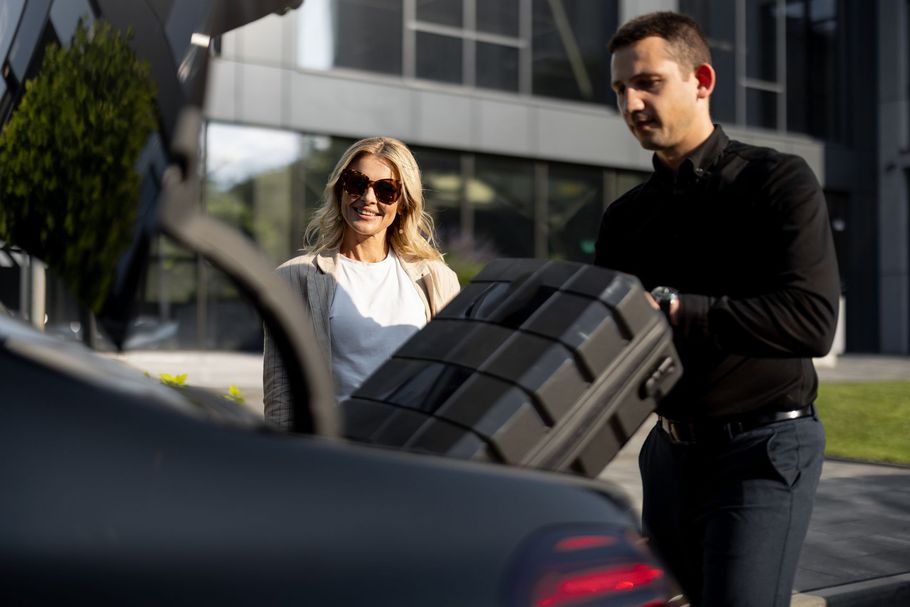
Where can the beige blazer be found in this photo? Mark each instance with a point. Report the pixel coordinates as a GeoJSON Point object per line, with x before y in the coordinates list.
{"type": "Point", "coordinates": [312, 275]}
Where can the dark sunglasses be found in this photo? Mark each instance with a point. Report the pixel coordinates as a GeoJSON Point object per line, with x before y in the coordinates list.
{"type": "Point", "coordinates": [356, 184]}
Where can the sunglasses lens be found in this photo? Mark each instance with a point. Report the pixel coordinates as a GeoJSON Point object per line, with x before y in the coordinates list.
{"type": "Point", "coordinates": [355, 184]}
{"type": "Point", "coordinates": [386, 191]}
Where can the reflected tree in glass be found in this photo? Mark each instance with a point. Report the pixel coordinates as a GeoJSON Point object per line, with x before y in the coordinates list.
{"type": "Point", "coordinates": [69, 187]}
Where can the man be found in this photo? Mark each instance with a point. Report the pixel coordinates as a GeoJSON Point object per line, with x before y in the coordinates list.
{"type": "Point", "coordinates": [735, 244]}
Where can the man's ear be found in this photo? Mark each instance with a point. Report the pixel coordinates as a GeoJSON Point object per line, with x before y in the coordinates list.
{"type": "Point", "coordinates": [707, 79]}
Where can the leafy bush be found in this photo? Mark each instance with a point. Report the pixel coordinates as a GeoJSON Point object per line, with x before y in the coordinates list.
{"type": "Point", "coordinates": [68, 184]}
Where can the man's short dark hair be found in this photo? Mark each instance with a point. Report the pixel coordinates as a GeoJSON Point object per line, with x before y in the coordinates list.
{"type": "Point", "coordinates": [685, 41]}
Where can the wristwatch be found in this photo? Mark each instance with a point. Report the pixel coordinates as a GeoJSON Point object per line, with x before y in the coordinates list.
{"type": "Point", "coordinates": [665, 296]}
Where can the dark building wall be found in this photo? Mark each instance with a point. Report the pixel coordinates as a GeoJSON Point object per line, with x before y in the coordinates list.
{"type": "Point", "coordinates": [850, 169]}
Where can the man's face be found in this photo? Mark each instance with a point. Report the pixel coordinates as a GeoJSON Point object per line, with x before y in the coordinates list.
{"type": "Point", "coordinates": [659, 103]}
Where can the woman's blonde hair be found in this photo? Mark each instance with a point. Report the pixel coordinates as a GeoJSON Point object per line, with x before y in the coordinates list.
{"type": "Point", "coordinates": [411, 233]}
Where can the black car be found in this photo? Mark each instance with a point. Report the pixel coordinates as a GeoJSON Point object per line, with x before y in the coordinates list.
{"type": "Point", "coordinates": [117, 489]}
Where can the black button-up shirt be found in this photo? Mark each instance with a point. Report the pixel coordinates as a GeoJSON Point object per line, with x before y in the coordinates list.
{"type": "Point", "coordinates": [742, 232]}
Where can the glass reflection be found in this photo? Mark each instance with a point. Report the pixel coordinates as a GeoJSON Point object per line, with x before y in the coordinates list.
{"type": "Point", "coordinates": [497, 67]}
{"type": "Point", "coordinates": [442, 190]}
{"type": "Point", "coordinates": [718, 22]}
{"type": "Point", "coordinates": [500, 17]}
{"type": "Point", "coordinates": [443, 12]}
{"type": "Point", "coordinates": [761, 108]}
{"type": "Point", "coordinates": [816, 57]}
{"type": "Point", "coordinates": [574, 206]}
{"type": "Point", "coordinates": [502, 197]}
{"type": "Point", "coordinates": [169, 311]}
{"type": "Point", "coordinates": [10, 11]}
{"type": "Point", "coordinates": [439, 57]}
{"type": "Point", "coordinates": [761, 39]}
{"type": "Point", "coordinates": [569, 45]}
{"type": "Point", "coordinates": [358, 34]}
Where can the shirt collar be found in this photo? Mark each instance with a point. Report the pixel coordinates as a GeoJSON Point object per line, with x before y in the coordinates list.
{"type": "Point", "coordinates": [697, 163]}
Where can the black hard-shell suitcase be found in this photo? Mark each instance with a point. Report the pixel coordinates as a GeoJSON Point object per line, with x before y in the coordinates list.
{"type": "Point", "coordinates": [537, 363]}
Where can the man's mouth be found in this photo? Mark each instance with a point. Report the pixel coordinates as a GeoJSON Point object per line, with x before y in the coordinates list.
{"type": "Point", "coordinates": [644, 122]}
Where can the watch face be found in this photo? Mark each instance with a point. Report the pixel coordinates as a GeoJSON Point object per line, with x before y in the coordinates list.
{"type": "Point", "coordinates": [664, 297]}
{"type": "Point", "coordinates": [663, 293]}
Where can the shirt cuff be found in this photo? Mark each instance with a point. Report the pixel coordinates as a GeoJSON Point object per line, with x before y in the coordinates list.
{"type": "Point", "coordinates": [692, 315]}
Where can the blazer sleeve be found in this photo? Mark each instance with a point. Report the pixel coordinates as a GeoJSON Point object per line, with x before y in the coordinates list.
{"type": "Point", "coordinates": [275, 386]}
{"type": "Point", "coordinates": [447, 285]}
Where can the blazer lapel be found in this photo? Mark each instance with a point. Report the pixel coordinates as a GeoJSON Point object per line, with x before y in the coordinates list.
{"type": "Point", "coordinates": [320, 291]}
{"type": "Point", "coordinates": [419, 273]}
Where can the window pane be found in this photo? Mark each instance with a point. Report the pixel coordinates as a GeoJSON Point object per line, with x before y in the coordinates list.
{"type": "Point", "coordinates": [442, 188]}
{"type": "Point", "coordinates": [718, 23]}
{"type": "Point", "coordinates": [367, 34]}
{"type": "Point", "coordinates": [66, 319]}
{"type": "Point", "coordinates": [574, 207]}
{"type": "Point", "coordinates": [569, 48]}
{"type": "Point", "coordinates": [439, 58]}
{"type": "Point", "coordinates": [717, 20]}
{"type": "Point", "coordinates": [10, 11]}
{"type": "Point", "coordinates": [168, 314]}
{"type": "Point", "coordinates": [231, 321]}
{"type": "Point", "coordinates": [497, 67]}
{"type": "Point", "coordinates": [723, 99]}
{"type": "Point", "coordinates": [761, 39]}
{"type": "Point", "coordinates": [761, 108]}
{"type": "Point", "coordinates": [816, 95]}
{"type": "Point", "coordinates": [502, 197]}
{"type": "Point", "coordinates": [443, 12]}
{"type": "Point", "coordinates": [500, 17]}
{"type": "Point", "coordinates": [250, 178]}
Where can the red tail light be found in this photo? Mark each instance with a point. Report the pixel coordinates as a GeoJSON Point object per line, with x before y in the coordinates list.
{"type": "Point", "coordinates": [587, 585]}
{"type": "Point", "coordinates": [605, 565]}
{"type": "Point", "coordinates": [584, 542]}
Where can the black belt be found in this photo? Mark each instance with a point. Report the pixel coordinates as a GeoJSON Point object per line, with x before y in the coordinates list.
{"type": "Point", "coordinates": [706, 431]}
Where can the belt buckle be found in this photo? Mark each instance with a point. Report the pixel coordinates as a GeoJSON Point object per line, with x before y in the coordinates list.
{"type": "Point", "coordinates": [671, 429]}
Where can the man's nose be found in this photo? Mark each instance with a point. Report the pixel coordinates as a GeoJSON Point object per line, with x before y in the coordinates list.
{"type": "Point", "coordinates": [631, 101]}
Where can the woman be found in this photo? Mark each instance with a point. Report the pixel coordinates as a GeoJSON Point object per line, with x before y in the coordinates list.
{"type": "Point", "coordinates": [371, 275]}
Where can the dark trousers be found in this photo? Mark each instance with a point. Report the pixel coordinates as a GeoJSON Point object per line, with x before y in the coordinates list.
{"type": "Point", "coordinates": [730, 517]}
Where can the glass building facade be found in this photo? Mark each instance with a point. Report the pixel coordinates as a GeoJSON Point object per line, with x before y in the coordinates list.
{"type": "Point", "coordinates": [508, 108]}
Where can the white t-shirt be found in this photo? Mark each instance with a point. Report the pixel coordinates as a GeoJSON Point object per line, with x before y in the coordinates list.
{"type": "Point", "coordinates": [376, 309]}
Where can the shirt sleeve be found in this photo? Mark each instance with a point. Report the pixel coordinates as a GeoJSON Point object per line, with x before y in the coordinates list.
{"type": "Point", "coordinates": [798, 315]}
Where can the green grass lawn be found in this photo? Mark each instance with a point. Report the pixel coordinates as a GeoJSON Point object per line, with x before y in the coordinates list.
{"type": "Point", "coordinates": [867, 421]}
